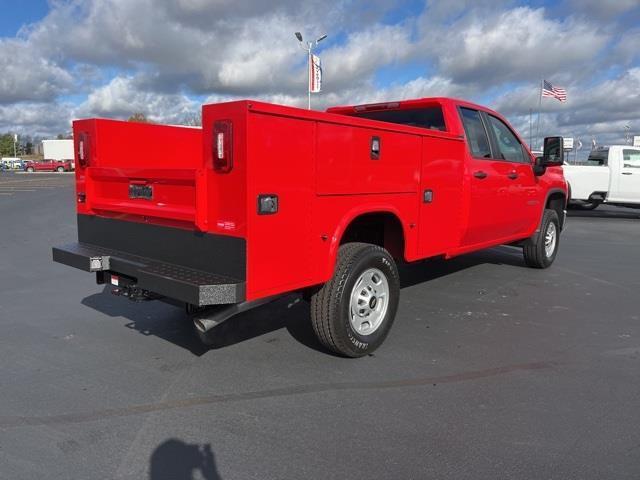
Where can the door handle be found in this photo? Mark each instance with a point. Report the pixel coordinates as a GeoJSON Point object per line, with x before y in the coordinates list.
{"type": "Point", "coordinates": [480, 174]}
{"type": "Point", "coordinates": [627, 173]}
{"type": "Point", "coordinates": [375, 148]}
{"type": "Point", "coordinates": [512, 175]}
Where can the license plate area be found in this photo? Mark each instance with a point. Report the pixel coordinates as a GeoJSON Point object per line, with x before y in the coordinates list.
{"type": "Point", "coordinates": [137, 190]}
{"type": "Point", "coordinates": [119, 280]}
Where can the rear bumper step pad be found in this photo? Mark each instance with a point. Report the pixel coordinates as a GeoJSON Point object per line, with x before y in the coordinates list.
{"type": "Point", "coordinates": [174, 281]}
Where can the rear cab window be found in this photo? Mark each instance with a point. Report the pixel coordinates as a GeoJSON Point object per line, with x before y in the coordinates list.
{"type": "Point", "coordinates": [598, 158]}
{"type": "Point", "coordinates": [424, 117]}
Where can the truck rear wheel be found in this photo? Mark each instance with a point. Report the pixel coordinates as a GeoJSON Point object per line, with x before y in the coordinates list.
{"type": "Point", "coordinates": [541, 249]}
{"type": "Point", "coordinates": [353, 312]}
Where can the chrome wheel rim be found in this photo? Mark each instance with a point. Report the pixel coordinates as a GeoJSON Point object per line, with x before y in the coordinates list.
{"type": "Point", "coordinates": [550, 239]}
{"type": "Point", "coordinates": [369, 301]}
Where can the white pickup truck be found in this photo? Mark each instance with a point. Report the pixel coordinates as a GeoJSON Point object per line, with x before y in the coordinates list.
{"type": "Point", "coordinates": [611, 175]}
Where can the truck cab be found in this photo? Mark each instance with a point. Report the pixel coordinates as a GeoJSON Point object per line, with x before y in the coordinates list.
{"type": "Point", "coordinates": [610, 175]}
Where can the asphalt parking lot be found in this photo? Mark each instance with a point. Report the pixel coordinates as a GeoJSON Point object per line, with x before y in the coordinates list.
{"type": "Point", "coordinates": [492, 370]}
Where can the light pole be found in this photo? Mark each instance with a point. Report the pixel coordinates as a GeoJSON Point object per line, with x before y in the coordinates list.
{"type": "Point", "coordinates": [309, 49]}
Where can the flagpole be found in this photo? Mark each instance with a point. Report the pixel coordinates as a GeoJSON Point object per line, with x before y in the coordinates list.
{"type": "Point", "coordinates": [539, 108]}
{"type": "Point", "coordinates": [530, 128]}
{"type": "Point", "coordinates": [310, 60]}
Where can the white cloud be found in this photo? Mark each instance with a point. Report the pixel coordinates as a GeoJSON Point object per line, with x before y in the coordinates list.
{"type": "Point", "coordinates": [25, 75]}
{"type": "Point", "coordinates": [601, 110]}
{"type": "Point", "coordinates": [364, 52]}
{"type": "Point", "coordinates": [156, 56]}
{"type": "Point", "coordinates": [46, 119]}
{"type": "Point", "coordinates": [492, 48]}
{"type": "Point", "coordinates": [122, 97]}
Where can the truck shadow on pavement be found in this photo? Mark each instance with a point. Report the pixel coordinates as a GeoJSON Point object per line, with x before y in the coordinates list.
{"type": "Point", "coordinates": [173, 325]}
{"type": "Point", "coordinates": [614, 213]}
{"type": "Point", "coordinates": [174, 459]}
{"type": "Point", "coordinates": [289, 312]}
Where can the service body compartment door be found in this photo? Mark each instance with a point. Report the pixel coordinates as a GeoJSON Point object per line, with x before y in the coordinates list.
{"type": "Point", "coordinates": [358, 160]}
{"type": "Point", "coordinates": [441, 183]}
{"type": "Point", "coordinates": [280, 181]}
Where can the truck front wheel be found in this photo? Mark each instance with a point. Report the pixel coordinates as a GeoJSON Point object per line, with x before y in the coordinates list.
{"type": "Point", "coordinates": [353, 312]}
{"type": "Point", "coordinates": [541, 249]}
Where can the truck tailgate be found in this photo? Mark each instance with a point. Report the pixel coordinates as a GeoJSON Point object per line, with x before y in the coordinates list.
{"type": "Point", "coordinates": [138, 169]}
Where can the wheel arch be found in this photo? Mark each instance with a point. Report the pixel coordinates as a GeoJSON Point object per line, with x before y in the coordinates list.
{"type": "Point", "coordinates": [379, 225]}
{"type": "Point", "coordinates": [556, 200]}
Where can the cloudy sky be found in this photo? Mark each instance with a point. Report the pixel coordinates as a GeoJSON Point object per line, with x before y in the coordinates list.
{"type": "Point", "coordinates": [65, 59]}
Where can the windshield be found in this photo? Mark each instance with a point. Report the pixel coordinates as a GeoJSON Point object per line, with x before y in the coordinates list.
{"type": "Point", "coordinates": [427, 117]}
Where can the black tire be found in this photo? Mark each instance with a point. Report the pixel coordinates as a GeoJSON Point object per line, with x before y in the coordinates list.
{"type": "Point", "coordinates": [330, 306]}
{"type": "Point", "coordinates": [535, 251]}
{"type": "Point", "coordinates": [30, 169]}
{"type": "Point", "coordinates": [60, 169]}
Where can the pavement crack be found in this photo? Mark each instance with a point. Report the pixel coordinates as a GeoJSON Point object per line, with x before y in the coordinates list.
{"type": "Point", "coordinates": [71, 418]}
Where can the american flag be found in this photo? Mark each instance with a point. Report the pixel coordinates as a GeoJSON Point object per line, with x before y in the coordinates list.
{"type": "Point", "coordinates": [558, 93]}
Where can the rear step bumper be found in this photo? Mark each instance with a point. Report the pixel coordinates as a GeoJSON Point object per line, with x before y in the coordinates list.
{"type": "Point", "coordinates": [173, 281]}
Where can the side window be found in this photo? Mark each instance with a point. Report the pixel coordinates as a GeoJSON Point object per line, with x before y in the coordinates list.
{"type": "Point", "coordinates": [509, 146]}
{"type": "Point", "coordinates": [631, 158]}
{"type": "Point", "coordinates": [476, 134]}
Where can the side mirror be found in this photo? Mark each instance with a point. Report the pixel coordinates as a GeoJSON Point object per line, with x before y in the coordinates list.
{"type": "Point", "coordinates": [539, 167]}
{"type": "Point", "coordinates": [553, 152]}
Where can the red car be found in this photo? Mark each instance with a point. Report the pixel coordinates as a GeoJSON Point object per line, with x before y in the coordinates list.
{"type": "Point", "coordinates": [266, 200]}
{"type": "Point", "coordinates": [48, 166]}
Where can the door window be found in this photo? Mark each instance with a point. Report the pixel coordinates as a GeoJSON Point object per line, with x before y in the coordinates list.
{"type": "Point", "coordinates": [631, 158]}
{"type": "Point", "coordinates": [476, 134]}
{"type": "Point", "coordinates": [509, 147]}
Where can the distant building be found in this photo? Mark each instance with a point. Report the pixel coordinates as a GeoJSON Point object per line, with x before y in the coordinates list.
{"type": "Point", "coordinates": [57, 149]}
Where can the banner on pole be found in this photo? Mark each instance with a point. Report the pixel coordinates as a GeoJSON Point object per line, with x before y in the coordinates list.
{"type": "Point", "coordinates": [315, 74]}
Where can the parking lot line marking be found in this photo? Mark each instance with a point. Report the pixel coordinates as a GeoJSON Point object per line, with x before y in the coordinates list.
{"type": "Point", "coordinates": [28, 186]}
{"type": "Point", "coordinates": [70, 418]}
{"type": "Point", "coordinates": [38, 180]}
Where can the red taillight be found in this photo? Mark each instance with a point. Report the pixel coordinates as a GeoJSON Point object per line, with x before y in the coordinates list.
{"type": "Point", "coordinates": [84, 150]}
{"type": "Point", "coordinates": [222, 146]}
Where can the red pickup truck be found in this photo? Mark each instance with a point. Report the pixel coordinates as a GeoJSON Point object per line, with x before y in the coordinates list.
{"type": "Point", "coordinates": [266, 200]}
{"type": "Point", "coordinates": [48, 166]}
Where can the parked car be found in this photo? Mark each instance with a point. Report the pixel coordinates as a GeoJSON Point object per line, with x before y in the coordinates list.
{"type": "Point", "coordinates": [48, 166]}
{"type": "Point", "coordinates": [268, 200]}
{"type": "Point", "coordinates": [610, 175]}
{"type": "Point", "coordinates": [17, 164]}
{"type": "Point", "coordinates": [10, 162]}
